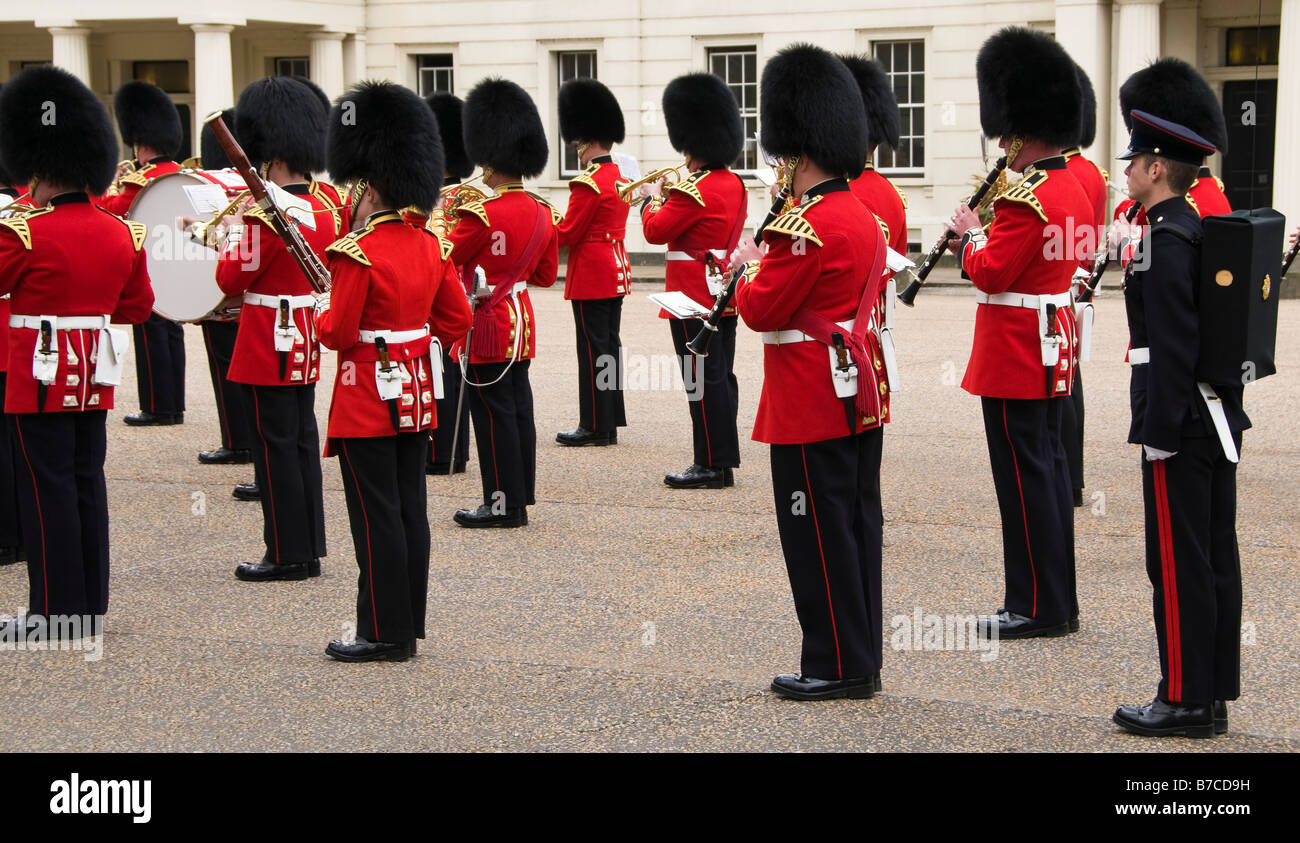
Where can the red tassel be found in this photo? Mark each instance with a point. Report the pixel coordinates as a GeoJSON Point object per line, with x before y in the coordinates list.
{"type": "Point", "coordinates": [486, 343]}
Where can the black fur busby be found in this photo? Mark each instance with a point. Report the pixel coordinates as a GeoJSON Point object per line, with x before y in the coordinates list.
{"type": "Point", "coordinates": [1172, 89]}
{"type": "Point", "coordinates": [148, 117]}
{"type": "Point", "coordinates": [211, 155]}
{"type": "Point", "coordinates": [53, 127]}
{"type": "Point", "coordinates": [883, 120]}
{"type": "Point", "coordinates": [449, 111]}
{"type": "Point", "coordinates": [811, 107]}
{"type": "Point", "coordinates": [703, 119]}
{"type": "Point", "coordinates": [590, 112]}
{"type": "Point", "coordinates": [384, 133]}
{"type": "Point", "coordinates": [5, 180]}
{"type": "Point", "coordinates": [503, 129]}
{"type": "Point", "coordinates": [1088, 112]}
{"type": "Point", "coordinates": [279, 117]}
{"type": "Point", "coordinates": [1028, 87]}
{"type": "Point", "coordinates": [316, 90]}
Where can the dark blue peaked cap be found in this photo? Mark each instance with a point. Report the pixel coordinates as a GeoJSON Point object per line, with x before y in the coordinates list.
{"type": "Point", "coordinates": [1157, 136]}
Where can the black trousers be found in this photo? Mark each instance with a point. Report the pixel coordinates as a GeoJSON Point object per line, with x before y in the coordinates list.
{"type": "Point", "coordinates": [160, 365]}
{"type": "Point", "coordinates": [286, 456]}
{"type": "Point", "coordinates": [1191, 548]}
{"type": "Point", "coordinates": [505, 433]}
{"type": "Point", "coordinates": [829, 515]}
{"type": "Point", "coordinates": [440, 453]}
{"type": "Point", "coordinates": [1072, 432]}
{"type": "Point", "coordinates": [600, 363]}
{"type": "Point", "coordinates": [63, 503]}
{"type": "Point", "coordinates": [711, 391]}
{"type": "Point", "coordinates": [10, 529]}
{"type": "Point", "coordinates": [383, 483]}
{"type": "Point", "coordinates": [233, 416]}
{"type": "Point", "coordinates": [1034, 497]}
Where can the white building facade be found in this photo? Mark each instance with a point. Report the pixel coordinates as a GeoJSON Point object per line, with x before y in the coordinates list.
{"type": "Point", "coordinates": [635, 47]}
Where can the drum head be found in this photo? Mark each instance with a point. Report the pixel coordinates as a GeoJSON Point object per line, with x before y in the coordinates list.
{"type": "Point", "coordinates": [183, 272]}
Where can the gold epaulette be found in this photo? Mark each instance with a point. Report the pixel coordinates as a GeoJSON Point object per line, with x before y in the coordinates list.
{"type": "Point", "coordinates": [20, 226]}
{"type": "Point", "coordinates": [793, 223]}
{"type": "Point", "coordinates": [317, 189]}
{"type": "Point", "coordinates": [902, 197]}
{"type": "Point", "coordinates": [477, 209]}
{"type": "Point", "coordinates": [349, 246]}
{"type": "Point", "coordinates": [1219, 182]}
{"type": "Point", "coordinates": [139, 231]}
{"type": "Point", "coordinates": [138, 178]}
{"type": "Point", "coordinates": [444, 245]}
{"type": "Point", "coordinates": [884, 226]}
{"type": "Point", "coordinates": [1024, 192]}
{"type": "Point", "coordinates": [1192, 202]}
{"type": "Point", "coordinates": [586, 177]}
{"type": "Point", "coordinates": [690, 186]}
{"type": "Point", "coordinates": [259, 215]}
{"type": "Point", "coordinates": [556, 216]}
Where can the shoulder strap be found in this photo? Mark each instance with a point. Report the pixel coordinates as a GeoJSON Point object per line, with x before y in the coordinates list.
{"type": "Point", "coordinates": [1181, 232]}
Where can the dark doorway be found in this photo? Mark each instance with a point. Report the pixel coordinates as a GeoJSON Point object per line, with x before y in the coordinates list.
{"type": "Point", "coordinates": [1250, 107]}
{"type": "Point", "coordinates": [187, 139]}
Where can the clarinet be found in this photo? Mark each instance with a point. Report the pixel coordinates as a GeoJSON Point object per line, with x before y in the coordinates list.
{"type": "Point", "coordinates": [1290, 256]}
{"type": "Point", "coordinates": [908, 296]}
{"type": "Point", "coordinates": [1086, 294]}
{"type": "Point", "coordinates": [699, 346]}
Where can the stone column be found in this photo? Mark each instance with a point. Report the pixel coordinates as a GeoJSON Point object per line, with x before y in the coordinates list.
{"type": "Point", "coordinates": [1286, 170]}
{"type": "Point", "coordinates": [1137, 45]}
{"type": "Point", "coordinates": [213, 74]}
{"type": "Point", "coordinates": [1083, 28]}
{"type": "Point", "coordinates": [72, 50]}
{"type": "Point", "coordinates": [327, 61]}
{"type": "Point", "coordinates": [354, 58]}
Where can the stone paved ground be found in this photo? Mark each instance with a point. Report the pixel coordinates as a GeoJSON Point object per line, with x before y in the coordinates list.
{"type": "Point", "coordinates": [632, 617]}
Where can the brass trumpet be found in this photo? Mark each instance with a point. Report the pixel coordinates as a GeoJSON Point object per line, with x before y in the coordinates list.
{"type": "Point", "coordinates": [628, 192]}
{"type": "Point", "coordinates": [452, 198]}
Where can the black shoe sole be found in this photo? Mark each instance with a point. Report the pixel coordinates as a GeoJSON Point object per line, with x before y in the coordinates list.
{"type": "Point", "coordinates": [386, 656]}
{"type": "Point", "coordinates": [584, 443]}
{"type": "Point", "coordinates": [1220, 727]}
{"type": "Point", "coordinates": [857, 692]}
{"type": "Point", "coordinates": [1198, 731]}
{"type": "Point", "coordinates": [727, 481]}
{"type": "Point", "coordinates": [246, 498]}
{"type": "Point", "coordinates": [231, 461]}
{"type": "Point", "coordinates": [283, 577]}
{"type": "Point", "coordinates": [480, 524]}
{"type": "Point", "coordinates": [1056, 631]}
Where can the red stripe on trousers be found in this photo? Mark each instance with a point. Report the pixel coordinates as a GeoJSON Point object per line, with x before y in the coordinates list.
{"type": "Point", "coordinates": [591, 364]}
{"type": "Point", "coordinates": [1024, 514]}
{"type": "Point", "coordinates": [839, 664]}
{"type": "Point", "coordinates": [270, 490]}
{"type": "Point", "coordinates": [1169, 575]}
{"type": "Point", "coordinates": [370, 557]}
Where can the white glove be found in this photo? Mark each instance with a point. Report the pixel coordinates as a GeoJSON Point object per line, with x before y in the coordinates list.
{"type": "Point", "coordinates": [322, 303]}
{"type": "Point", "coordinates": [1154, 454]}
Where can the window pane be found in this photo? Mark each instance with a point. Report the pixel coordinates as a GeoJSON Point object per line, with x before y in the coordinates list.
{"type": "Point", "coordinates": [905, 64]}
{"type": "Point", "coordinates": [918, 55]}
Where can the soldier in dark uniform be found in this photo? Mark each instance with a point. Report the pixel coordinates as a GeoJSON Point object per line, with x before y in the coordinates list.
{"type": "Point", "coordinates": [1020, 363]}
{"type": "Point", "coordinates": [219, 330]}
{"type": "Point", "coordinates": [448, 111]}
{"type": "Point", "coordinates": [392, 285]}
{"type": "Point", "coordinates": [700, 219]}
{"type": "Point", "coordinates": [598, 275]}
{"type": "Point", "coordinates": [511, 236]}
{"type": "Point", "coordinates": [69, 268]}
{"type": "Point", "coordinates": [13, 199]}
{"type": "Point", "coordinates": [281, 127]}
{"type": "Point", "coordinates": [818, 280]}
{"type": "Point", "coordinates": [151, 126]}
{"type": "Point", "coordinates": [1189, 482]}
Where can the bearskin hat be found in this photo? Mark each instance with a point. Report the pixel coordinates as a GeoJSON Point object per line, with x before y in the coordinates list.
{"type": "Point", "coordinates": [883, 119]}
{"type": "Point", "coordinates": [211, 155]}
{"type": "Point", "coordinates": [148, 117]}
{"type": "Point", "coordinates": [279, 117]}
{"type": "Point", "coordinates": [811, 107]}
{"type": "Point", "coordinates": [1088, 113]}
{"type": "Point", "coordinates": [503, 129]}
{"type": "Point", "coordinates": [316, 90]}
{"type": "Point", "coordinates": [1028, 87]}
{"type": "Point", "coordinates": [5, 180]}
{"type": "Point", "coordinates": [1172, 89]}
{"type": "Point", "coordinates": [384, 133]}
{"type": "Point", "coordinates": [449, 112]}
{"type": "Point", "coordinates": [590, 112]}
{"type": "Point", "coordinates": [703, 119]}
{"type": "Point", "coordinates": [52, 126]}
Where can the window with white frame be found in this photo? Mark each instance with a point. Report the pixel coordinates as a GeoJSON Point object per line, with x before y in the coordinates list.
{"type": "Point", "coordinates": [572, 64]}
{"type": "Point", "coordinates": [293, 66]}
{"type": "Point", "coordinates": [904, 61]}
{"type": "Point", "coordinates": [738, 67]}
{"type": "Point", "coordinates": [434, 74]}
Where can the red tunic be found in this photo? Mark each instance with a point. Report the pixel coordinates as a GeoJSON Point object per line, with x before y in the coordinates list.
{"type": "Point", "coordinates": [388, 276]}
{"type": "Point", "coordinates": [494, 234]}
{"type": "Point", "coordinates": [1206, 195]}
{"type": "Point", "coordinates": [331, 197]}
{"type": "Point", "coordinates": [131, 185]}
{"type": "Point", "coordinates": [69, 259]}
{"type": "Point", "coordinates": [593, 228]}
{"type": "Point", "coordinates": [798, 403]}
{"type": "Point", "coordinates": [21, 200]}
{"type": "Point", "coordinates": [1031, 248]}
{"type": "Point", "coordinates": [886, 202]}
{"type": "Point", "coordinates": [704, 212]}
{"type": "Point", "coordinates": [260, 264]}
{"type": "Point", "coordinates": [1093, 181]}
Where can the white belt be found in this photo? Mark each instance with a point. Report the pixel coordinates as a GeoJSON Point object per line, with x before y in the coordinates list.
{"type": "Point", "coordinates": [1139, 356]}
{"type": "Point", "coordinates": [61, 323]}
{"type": "Point", "coordinates": [792, 336]}
{"type": "Point", "coordinates": [394, 337]}
{"type": "Point", "coordinates": [519, 287]}
{"type": "Point", "coordinates": [273, 302]}
{"type": "Point", "coordinates": [1025, 300]}
{"type": "Point", "coordinates": [720, 254]}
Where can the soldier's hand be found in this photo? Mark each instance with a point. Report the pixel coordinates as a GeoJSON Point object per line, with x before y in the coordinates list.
{"type": "Point", "coordinates": [774, 189]}
{"type": "Point", "coordinates": [963, 220]}
{"type": "Point", "coordinates": [652, 189]}
{"type": "Point", "coordinates": [747, 251]}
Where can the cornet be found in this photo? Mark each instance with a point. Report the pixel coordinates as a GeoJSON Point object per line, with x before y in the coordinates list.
{"type": "Point", "coordinates": [452, 198]}
{"type": "Point", "coordinates": [628, 192]}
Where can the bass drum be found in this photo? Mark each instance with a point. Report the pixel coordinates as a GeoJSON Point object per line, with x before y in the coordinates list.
{"type": "Point", "coordinates": [182, 271]}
